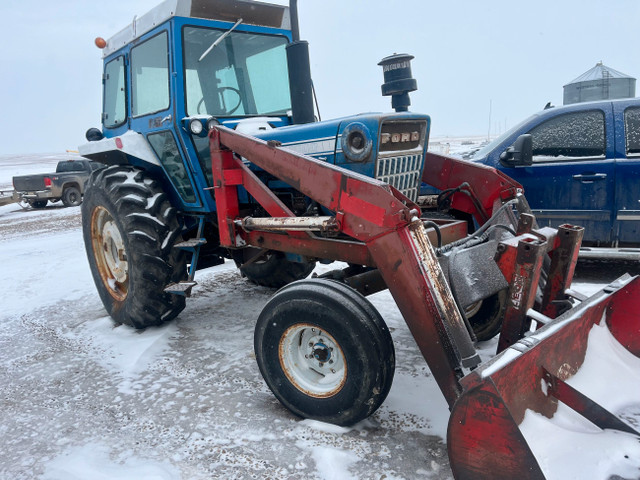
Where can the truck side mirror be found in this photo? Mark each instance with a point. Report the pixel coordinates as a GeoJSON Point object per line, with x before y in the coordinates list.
{"type": "Point", "coordinates": [520, 153]}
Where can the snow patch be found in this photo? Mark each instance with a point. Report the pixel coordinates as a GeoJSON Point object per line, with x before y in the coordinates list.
{"type": "Point", "coordinates": [124, 350]}
{"type": "Point", "coordinates": [610, 375]}
{"type": "Point", "coordinates": [96, 462]}
{"type": "Point", "coordinates": [325, 427]}
{"type": "Point", "coordinates": [595, 453]}
{"type": "Point", "coordinates": [333, 463]}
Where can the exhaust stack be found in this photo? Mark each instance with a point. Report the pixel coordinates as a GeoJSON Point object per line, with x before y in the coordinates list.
{"type": "Point", "coordinates": [299, 72]}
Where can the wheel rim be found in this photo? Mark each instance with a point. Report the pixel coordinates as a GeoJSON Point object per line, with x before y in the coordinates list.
{"type": "Point", "coordinates": [110, 254]}
{"type": "Point", "coordinates": [312, 360]}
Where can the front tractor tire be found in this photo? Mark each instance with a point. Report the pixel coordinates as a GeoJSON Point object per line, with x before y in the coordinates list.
{"type": "Point", "coordinates": [485, 316]}
{"type": "Point", "coordinates": [325, 352]}
{"type": "Point", "coordinates": [129, 229]}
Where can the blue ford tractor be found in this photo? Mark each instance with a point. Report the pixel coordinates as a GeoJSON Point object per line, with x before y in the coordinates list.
{"type": "Point", "coordinates": [213, 152]}
{"type": "Point", "coordinates": [149, 218]}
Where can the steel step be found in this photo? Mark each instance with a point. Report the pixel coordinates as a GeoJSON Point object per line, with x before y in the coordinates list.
{"type": "Point", "coordinates": [180, 288]}
{"type": "Point", "coordinates": [191, 243]}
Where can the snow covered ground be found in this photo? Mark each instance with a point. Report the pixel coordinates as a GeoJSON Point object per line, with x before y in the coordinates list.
{"type": "Point", "coordinates": [82, 398]}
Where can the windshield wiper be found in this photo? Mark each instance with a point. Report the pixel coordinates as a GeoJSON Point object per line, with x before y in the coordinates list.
{"type": "Point", "coordinates": [219, 39]}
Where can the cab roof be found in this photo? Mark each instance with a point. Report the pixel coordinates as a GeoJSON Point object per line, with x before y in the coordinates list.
{"type": "Point", "coordinates": [252, 13]}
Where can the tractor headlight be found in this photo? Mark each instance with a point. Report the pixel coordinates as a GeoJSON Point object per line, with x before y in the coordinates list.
{"type": "Point", "coordinates": [357, 142]}
{"type": "Point", "coordinates": [212, 122]}
{"type": "Point", "coordinates": [195, 126]}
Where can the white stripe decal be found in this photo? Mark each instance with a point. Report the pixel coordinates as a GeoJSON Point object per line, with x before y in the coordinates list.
{"type": "Point", "coordinates": [312, 148]}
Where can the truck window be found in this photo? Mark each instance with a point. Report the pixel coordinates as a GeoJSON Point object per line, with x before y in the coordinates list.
{"type": "Point", "coordinates": [70, 167]}
{"type": "Point", "coordinates": [632, 130]}
{"type": "Point", "coordinates": [165, 147]}
{"type": "Point", "coordinates": [150, 76]}
{"type": "Point", "coordinates": [573, 136]}
{"type": "Point", "coordinates": [245, 74]}
{"type": "Point", "coordinates": [115, 99]}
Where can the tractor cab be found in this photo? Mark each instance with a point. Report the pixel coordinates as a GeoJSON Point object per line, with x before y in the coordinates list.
{"type": "Point", "coordinates": [180, 69]}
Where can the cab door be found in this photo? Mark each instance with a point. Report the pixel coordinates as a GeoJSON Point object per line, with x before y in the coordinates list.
{"type": "Point", "coordinates": [627, 206]}
{"type": "Point", "coordinates": [572, 177]}
{"type": "Point", "coordinates": [152, 109]}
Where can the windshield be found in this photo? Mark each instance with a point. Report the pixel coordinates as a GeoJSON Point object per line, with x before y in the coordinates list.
{"type": "Point", "coordinates": [488, 148]}
{"type": "Point", "coordinates": [245, 74]}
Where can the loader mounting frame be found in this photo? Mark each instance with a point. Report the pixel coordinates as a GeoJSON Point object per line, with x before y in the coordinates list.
{"type": "Point", "coordinates": [385, 232]}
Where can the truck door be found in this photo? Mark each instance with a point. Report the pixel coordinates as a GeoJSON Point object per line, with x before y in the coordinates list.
{"type": "Point", "coordinates": [627, 202]}
{"type": "Point", "coordinates": [572, 178]}
{"type": "Point", "coordinates": [151, 107]}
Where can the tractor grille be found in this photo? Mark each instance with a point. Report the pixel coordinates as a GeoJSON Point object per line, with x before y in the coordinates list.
{"type": "Point", "coordinates": [402, 172]}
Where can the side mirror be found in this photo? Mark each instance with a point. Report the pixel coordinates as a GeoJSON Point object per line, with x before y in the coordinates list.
{"type": "Point", "coordinates": [93, 135]}
{"type": "Point", "coordinates": [520, 153]}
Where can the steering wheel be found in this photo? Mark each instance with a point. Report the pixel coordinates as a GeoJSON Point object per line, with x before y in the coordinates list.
{"type": "Point", "coordinates": [225, 111]}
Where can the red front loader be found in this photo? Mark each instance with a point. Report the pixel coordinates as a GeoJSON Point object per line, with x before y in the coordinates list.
{"type": "Point", "coordinates": [472, 261]}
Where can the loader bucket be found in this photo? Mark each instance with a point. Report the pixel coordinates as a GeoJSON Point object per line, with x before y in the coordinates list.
{"type": "Point", "coordinates": [562, 403]}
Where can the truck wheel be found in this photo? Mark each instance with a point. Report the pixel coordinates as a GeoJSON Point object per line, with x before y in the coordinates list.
{"type": "Point", "coordinates": [129, 230]}
{"type": "Point", "coordinates": [38, 203]}
{"type": "Point", "coordinates": [325, 352]}
{"type": "Point", "coordinates": [71, 197]}
{"type": "Point", "coordinates": [274, 270]}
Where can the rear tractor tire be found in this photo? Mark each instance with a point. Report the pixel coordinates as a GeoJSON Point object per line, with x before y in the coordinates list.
{"type": "Point", "coordinates": [272, 269]}
{"type": "Point", "coordinates": [129, 230]}
{"type": "Point", "coordinates": [71, 197]}
{"type": "Point", "coordinates": [325, 352]}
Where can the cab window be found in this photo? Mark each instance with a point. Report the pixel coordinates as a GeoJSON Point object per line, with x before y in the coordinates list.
{"type": "Point", "coordinates": [632, 130]}
{"type": "Point", "coordinates": [115, 99]}
{"type": "Point", "coordinates": [573, 136]}
{"type": "Point", "coordinates": [242, 74]}
{"type": "Point", "coordinates": [150, 76]}
{"type": "Point", "coordinates": [165, 147]}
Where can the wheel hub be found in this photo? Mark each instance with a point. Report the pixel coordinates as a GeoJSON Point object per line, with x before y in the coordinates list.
{"type": "Point", "coordinates": [321, 352]}
{"type": "Point", "coordinates": [114, 253]}
{"type": "Point", "coordinates": [110, 253]}
{"type": "Point", "coordinates": [312, 360]}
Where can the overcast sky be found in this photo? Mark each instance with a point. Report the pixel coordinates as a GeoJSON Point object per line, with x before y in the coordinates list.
{"type": "Point", "coordinates": [469, 54]}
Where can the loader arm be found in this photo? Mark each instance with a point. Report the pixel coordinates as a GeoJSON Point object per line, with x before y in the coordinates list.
{"type": "Point", "coordinates": [383, 222]}
{"type": "Point", "coordinates": [482, 188]}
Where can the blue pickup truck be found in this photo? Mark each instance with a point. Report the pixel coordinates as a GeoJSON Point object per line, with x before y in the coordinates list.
{"type": "Point", "coordinates": [578, 164]}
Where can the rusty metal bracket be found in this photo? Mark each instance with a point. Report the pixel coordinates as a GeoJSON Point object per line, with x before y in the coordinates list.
{"type": "Point", "coordinates": [529, 254]}
{"type": "Point", "coordinates": [563, 265]}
